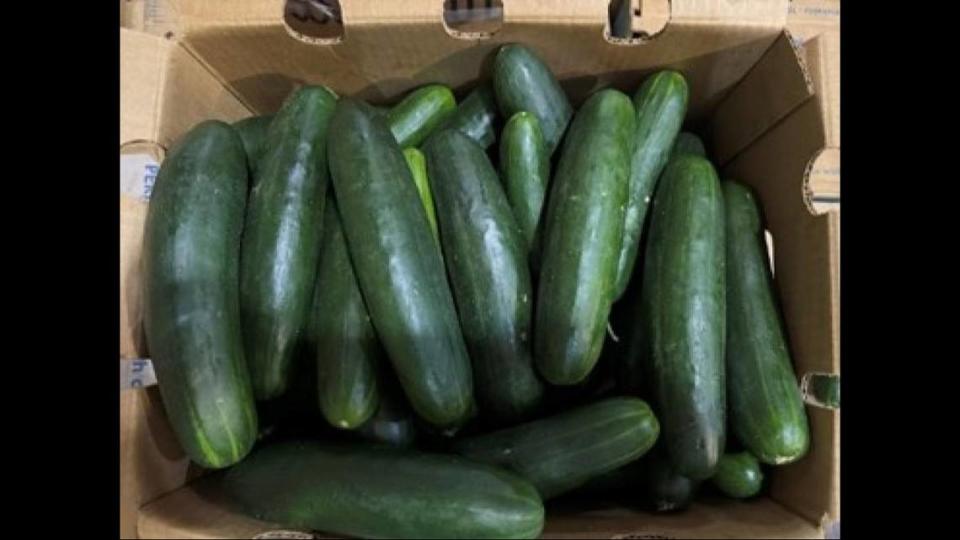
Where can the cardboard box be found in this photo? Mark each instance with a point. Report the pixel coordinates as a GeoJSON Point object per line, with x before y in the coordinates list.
{"type": "Point", "coordinates": [758, 99]}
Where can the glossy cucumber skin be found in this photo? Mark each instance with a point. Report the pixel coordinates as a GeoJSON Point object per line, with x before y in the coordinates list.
{"type": "Point", "coordinates": [418, 168]}
{"type": "Point", "coordinates": [347, 349]}
{"type": "Point", "coordinates": [661, 104]}
{"type": "Point", "coordinates": [683, 303]}
{"type": "Point", "coordinates": [253, 132]}
{"type": "Point", "coordinates": [487, 263]}
{"type": "Point", "coordinates": [394, 423]}
{"type": "Point", "coordinates": [688, 143]}
{"type": "Point", "coordinates": [766, 408]}
{"type": "Point", "coordinates": [477, 116]}
{"type": "Point", "coordinates": [525, 167]}
{"type": "Point", "coordinates": [582, 237]}
{"type": "Point", "coordinates": [738, 475]}
{"type": "Point", "coordinates": [563, 452]}
{"type": "Point", "coordinates": [420, 113]}
{"type": "Point", "coordinates": [382, 492]}
{"type": "Point", "coordinates": [281, 238]}
{"type": "Point", "coordinates": [191, 251]}
{"type": "Point", "coordinates": [523, 82]}
{"type": "Point", "coordinates": [398, 265]}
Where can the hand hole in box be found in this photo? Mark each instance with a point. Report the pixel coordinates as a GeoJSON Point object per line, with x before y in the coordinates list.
{"type": "Point", "coordinates": [635, 21]}
{"type": "Point", "coordinates": [472, 19]}
{"type": "Point", "coordinates": [314, 21]}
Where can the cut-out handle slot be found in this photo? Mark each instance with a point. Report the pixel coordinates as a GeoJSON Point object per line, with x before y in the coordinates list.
{"type": "Point", "coordinates": [472, 19]}
{"type": "Point", "coordinates": [638, 19]}
{"type": "Point", "coordinates": [314, 20]}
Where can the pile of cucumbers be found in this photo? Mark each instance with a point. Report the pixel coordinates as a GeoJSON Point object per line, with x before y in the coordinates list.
{"type": "Point", "coordinates": [397, 321]}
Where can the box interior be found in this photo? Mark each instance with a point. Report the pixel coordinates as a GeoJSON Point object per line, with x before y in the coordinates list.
{"type": "Point", "coordinates": [752, 97]}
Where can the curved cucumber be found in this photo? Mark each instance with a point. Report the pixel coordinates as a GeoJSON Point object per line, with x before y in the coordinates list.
{"type": "Point", "coordinates": [738, 475]}
{"type": "Point", "coordinates": [191, 249]}
{"type": "Point", "coordinates": [488, 269]}
{"type": "Point", "coordinates": [476, 116]}
{"type": "Point", "coordinates": [419, 113]}
{"type": "Point", "coordinates": [683, 303]}
{"type": "Point", "coordinates": [418, 169]}
{"type": "Point", "coordinates": [522, 82]}
{"type": "Point", "coordinates": [382, 492]}
{"type": "Point", "coordinates": [688, 143]}
{"type": "Point", "coordinates": [661, 103]}
{"type": "Point", "coordinates": [347, 350]}
{"type": "Point", "coordinates": [281, 238]}
{"type": "Point", "coordinates": [253, 133]}
{"type": "Point", "coordinates": [526, 172]}
{"type": "Point", "coordinates": [766, 408]}
{"type": "Point", "coordinates": [582, 237]}
{"type": "Point", "coordinates": [398, 265]}
{"type": "Point", "coordinates": [562, 452]}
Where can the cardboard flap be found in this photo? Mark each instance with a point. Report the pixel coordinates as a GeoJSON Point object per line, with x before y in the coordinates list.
{"type": "Point", "coordinates": [143, 59]}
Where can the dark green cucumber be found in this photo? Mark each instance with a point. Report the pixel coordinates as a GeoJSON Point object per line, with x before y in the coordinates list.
{"type": "Point", "coordinates": [281, 238]}
{"type": "Point", "coordinates": [738, 475]}
{"type": "Point", "coordinates": [381, 492]}
{"type": "Point", "coordinates": [526, 172]}
{"type": "Point", "coordinates": [661, 103]}
{"type": "Point", "coordinates": [348, 350]}
{"type": "Point", "coordinates": [522, 82]}
{"type": "Point", "coordinates": [191, 249]}
{"type": "Point", "coordinates": [688, 143]}
{"type": "Point", "coordinates": [562, 452]}
{"type": "Point", "coordinates": [476, 116]}
{"type": "Point", "coordinates": [665, 489]}
{"type": "Point", "coordinates": [253, 133]}
{"type": "Point", "coordinates": [683, 304]}
{"type": "Point", "coordinates": [393, 423]}
{"type": "Point", "coordinates": [766, 409]}
{"type": "Point", "coordinates": [398, 265]}
{"type": "Point", "coordinates": [420, 112]}
{"type": "Point", "coordinates": [418, 168]}
{"type": "Point", "coordinates": [582, 237]}
{"type": "Point", "coordinates": [487, 262]}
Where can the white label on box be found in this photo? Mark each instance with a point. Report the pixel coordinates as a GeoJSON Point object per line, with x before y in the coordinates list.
{"type": "Point", "coordinates": [136, 373]}
{"type": "Point", "coordinates": [138, 172]}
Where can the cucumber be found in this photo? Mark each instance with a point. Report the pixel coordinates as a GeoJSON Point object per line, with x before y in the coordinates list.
{"type": "Point", "coordinates": [191, 249]}
{"type": "Point", "coordinates": [522, 82]}
{"type": "Point", "coordinates": [683, 314]}
{"type": "Point", "coordinates": [476, 116]}
{"type": "Point", "coordinates": [394, 422]}
{"type": "Point", "coordinates": [281, 238]}
{"type": "Point", "coordinates": [418, 168]}
{"type": "Point", "coordinates": [525, 168]}
{"type": "Point", "coordinates": [347, 349]}
{"type": "Point", "coordinates": [487, 262]}
{"type": "Point", "coordinates": [420, 112]}
{"type": "Point", "coordinates": [738, 475]}
{"type": "Point", "coordinates": [398, 265]}
{"type": "Point", "coordinates": [766, 409]}
{"type": "Point", "coordinates": [562, 452]}
{"type": "Point", "coordinates": [253, 133]}
{"type": "Point", "coordinates": [661, 103]}
{"type": "Point", "coordinates": [582, 237]}
{"type": "Point", "coordinates": [382, 492]}
{"type": "Point", "coordinates": [664, 489]}
{"type": "Point", "coordinates": [688, 143]}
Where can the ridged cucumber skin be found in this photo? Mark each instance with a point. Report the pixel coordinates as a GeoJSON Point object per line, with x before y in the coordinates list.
{"type": "Point", "coordinates": [767, 413]}
{"type": "Point", "coordinates": [523, 82]}
{"type": "Point", "coordinates": [582, 237]}
{"type": "Point", "coordinates": [398, 266]}
{"type": "Point", "coordinates": [525, 172]}
{"type": "Point", "coordinates": [191, 253]}
{"type": "Point", "coordinates": [683, 304]}
{"type": "Point", "coordinates": [420, 113]}
{"type": "Point", "coordinates": [348, 351]}
{"type": "Point", "coordinates": [563, 452]}
{"type": "Point", "coordinates": [661, 104]}
{"type": "Point", "coordinates": [487, 263]}
{"type": "Point", "coordinates": [382, 492]}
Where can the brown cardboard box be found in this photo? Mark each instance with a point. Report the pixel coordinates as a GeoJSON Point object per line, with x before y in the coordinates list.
{"type": "Point", "coordinates": [759, 99]}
